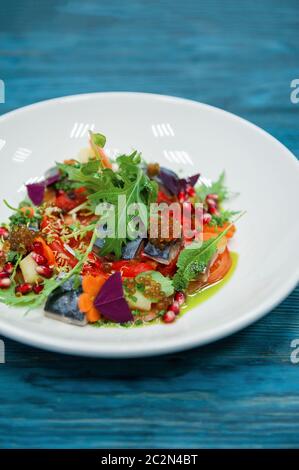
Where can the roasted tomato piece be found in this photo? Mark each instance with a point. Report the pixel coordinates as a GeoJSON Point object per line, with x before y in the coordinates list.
{"type": "Point", "coordinates": [62, 255]}
{"type": "Point", "coordinates": [94, 265]}
{"type": "Point", "coordinates": [162, 197]}
{"type": "Point", "coordinates": [71, 199]}
{"type": "Point", "coordinates": [221, 267]}
{"type": "Point", "coordinates": [45, 222]}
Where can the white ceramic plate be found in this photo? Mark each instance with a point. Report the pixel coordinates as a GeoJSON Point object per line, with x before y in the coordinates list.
{"type": "Point", "coordinates": [183, 135]}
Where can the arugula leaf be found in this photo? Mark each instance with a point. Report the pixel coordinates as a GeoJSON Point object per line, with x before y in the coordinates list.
{"type": "Point", "coordinates": [9, 297]}
{"type": "Point", "coordinates": [130, 182]}
{"type": "Point", "coordinates": [65, 185]}
{"type": "Point", "coordinates": [106, 186]}
{"type": "Point", "coordinates": [194, 259]}
{"type": "Point", "coordinates": [90, 168]}
{"type": "Point", "coordinates": [32, 300]}
{"type": "Point", "coordinates": [217, 187]}
{"type": "Point", "coordinates": [79, 173]}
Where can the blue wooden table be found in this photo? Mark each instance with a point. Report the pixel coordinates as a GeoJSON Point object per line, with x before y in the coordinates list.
{"type": "Point", "coordinates": [241, 56]}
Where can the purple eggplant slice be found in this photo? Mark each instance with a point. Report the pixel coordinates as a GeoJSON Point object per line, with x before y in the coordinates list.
{"type": "Point", "coordinates": [36, 191]}
{"type": "Point", "coordinates": [62, 305]}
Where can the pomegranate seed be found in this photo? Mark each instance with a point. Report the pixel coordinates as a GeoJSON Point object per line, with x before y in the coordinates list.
{"type": "Point", "coordinates": [44, 271]}
{"type": "Point", "coordinates": [38, 248]}
{"type": "Point", "coordinates": [180, 297]}
{"type": "Point", "coordinates": [206, 218]}
{"type": "Point", "coordinates": [5, 283]}
{"type": "Point", "coordinates": [213, 196]}
{"type": "Point", "coordinates": [39, 259]}
{"type": "Point", "coordinates": [187, 207]}
{"type": "Point", "coordinates": [214, 211]}
{"type": "Point", "coordinates": [191, 191]}
{"type": "Point", "coordinates": [4, 232]}
{"type": "Point", "coordinates": [182, 197]}
{"type": "Point", "coordinates": [211, 202]}
{"type": "Point", "coordinates": [24, 288]}
{"type": "Point", "coordinates": [175, 308]}
{"type": "Point", "coordinates": [38, 288]}
{"type": "Point", "coordinates": [8, 267]}
{"type": "Point", "coordinates": [168, 317]}
{"type": "Point", "coordinates": [3, 274]}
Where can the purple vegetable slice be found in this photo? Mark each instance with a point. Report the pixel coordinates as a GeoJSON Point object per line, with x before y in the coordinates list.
{"type": "Point", "coordinates": [52, 176]}
{"type": "Point", "coordinates": [173, 183]}
{"type": "Point", "coordinates": [190, 181]}
{"type": "Point", "coordinates": [170, 180]}
{"type": "Point", "coordinates": [111, 302]}
{"type": "Point", "coordinates": [36, 192]}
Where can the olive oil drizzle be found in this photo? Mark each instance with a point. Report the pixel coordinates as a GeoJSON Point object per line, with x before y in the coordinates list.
{"type": "Point", "coordinates": [193, 300]}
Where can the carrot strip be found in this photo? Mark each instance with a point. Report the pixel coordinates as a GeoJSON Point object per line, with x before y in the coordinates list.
{"type": "Point", "coordinates": [217, 229]}
{"type": "Point", "coordinates": [85, 302]}
{"type": "Point", "coordinates": [92, 284]}
{"type": "Point", "coordinates": [93, 315]}
{"type": "Point", "coordinates": [48, 253]}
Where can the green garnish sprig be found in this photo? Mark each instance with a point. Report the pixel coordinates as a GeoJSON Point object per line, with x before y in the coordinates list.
{"type": "Point", "coordinates": [195, 258]}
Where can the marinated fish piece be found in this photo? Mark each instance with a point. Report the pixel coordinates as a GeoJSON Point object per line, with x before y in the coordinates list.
{"type": "Point", "coordinates": [62, 305]}
{"type": "Point", "coordinates": [130, 250]}
{"type": "Point", "coordinates": [162, 255]}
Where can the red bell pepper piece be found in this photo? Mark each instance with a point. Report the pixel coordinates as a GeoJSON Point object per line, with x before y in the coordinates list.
{"type": "Point", "coordinates": [133, 268]}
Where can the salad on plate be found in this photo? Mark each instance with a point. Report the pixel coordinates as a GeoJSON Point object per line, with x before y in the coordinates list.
{"type": "Point", "coordinates": [114, 242]}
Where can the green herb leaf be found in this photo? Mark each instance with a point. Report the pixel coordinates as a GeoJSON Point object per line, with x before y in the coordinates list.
{"type": "Point", "coordinates": [32, 300]}
{"type": "Point", "coordinates": [129, 182]}
{"type": "Point", "coordinates": [98, 139]}
{"type": "Point", "coordinates": [194, 260]}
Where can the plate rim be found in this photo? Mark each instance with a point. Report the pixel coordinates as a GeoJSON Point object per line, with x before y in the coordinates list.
{"type": "Point", "coordinates": [66, 346]}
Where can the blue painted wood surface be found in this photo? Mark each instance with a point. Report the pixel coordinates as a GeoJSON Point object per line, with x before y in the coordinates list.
{"type": "Point", "coordinates": [241, 56]}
